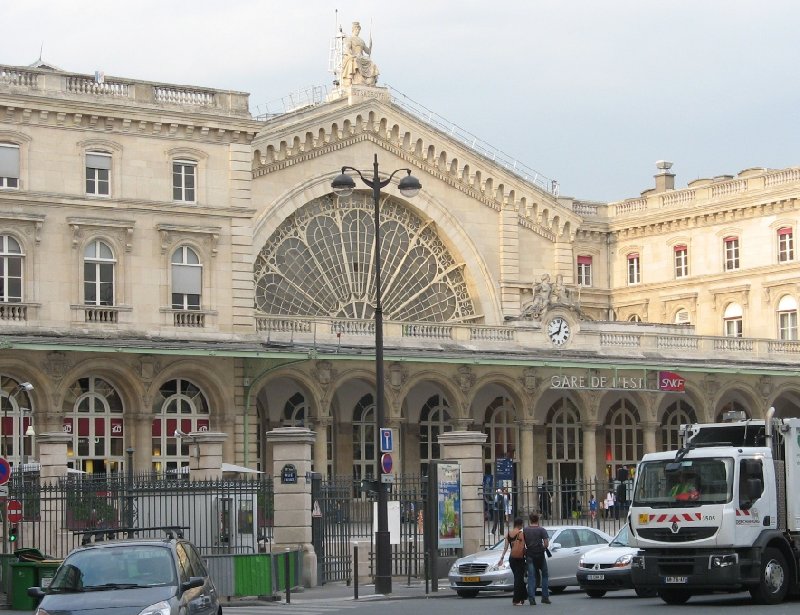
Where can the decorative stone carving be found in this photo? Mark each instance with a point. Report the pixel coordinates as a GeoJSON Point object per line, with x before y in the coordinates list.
{"type": "Point", "coordinates": [711, 385]}
{"type": "Point", "coordinates": [56, 364]}
{"type": "Point", "coordinates": [323, 372]}
{"type": "Point", "coordinates": [397, 375]}
{"type": "Point", "coordinates": [357, 65]}
{"type": "Point", "coordinates": [765, 386]}
{"type": "Point", "coordinates": [529, 379]}
{"type": "Point", "coordinates": [147, 367]}
{"type": "Point", "coordinates": [547, 295]}
{"type": "Point", "coordinates": [465, 378]}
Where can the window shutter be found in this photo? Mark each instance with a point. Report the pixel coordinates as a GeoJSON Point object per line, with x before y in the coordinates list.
{"type": "Point", "coordinates": [584, 260]}
{"type": "Point", "coordinates": [633, 255]}
{"type": "Point", "coordinates": [186, 279]}
{"type": "Point", "coordinates": [786, 230]}
{"type": "Point", "coordinates": [729, 239]}
{"type": "Point", "coordinates": [680, 248]}
{"type": "Point", "coordinates": [98, 161]}
{"type": "Point", "coordinates": [9, 161]}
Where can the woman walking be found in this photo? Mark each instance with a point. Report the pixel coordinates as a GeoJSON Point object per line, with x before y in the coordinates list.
{"type": "Point", "coordinates": [515, 540]}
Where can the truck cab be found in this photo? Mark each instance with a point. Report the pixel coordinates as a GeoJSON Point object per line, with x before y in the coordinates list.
{"type": "Point", "coordinates": [714, 515]}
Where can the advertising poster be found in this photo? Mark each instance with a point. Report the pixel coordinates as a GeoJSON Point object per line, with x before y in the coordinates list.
{"type": "Point", "coordinates": [448, 487]}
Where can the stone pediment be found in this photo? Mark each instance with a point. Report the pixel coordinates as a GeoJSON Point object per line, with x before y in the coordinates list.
{"type": "Point", "coordinates": [363, 113]}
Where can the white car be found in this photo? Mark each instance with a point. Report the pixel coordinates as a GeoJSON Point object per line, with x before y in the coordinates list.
{"type": "Point", "coordinates": [608, 568]}
{"type": "Point", "coordinates": [480, 572]}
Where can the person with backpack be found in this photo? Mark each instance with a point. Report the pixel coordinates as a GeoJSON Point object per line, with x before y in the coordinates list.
{"type": "Point", "coordinates": [537, 543]}
{"type": "Point", "coordinates": [515, 540]}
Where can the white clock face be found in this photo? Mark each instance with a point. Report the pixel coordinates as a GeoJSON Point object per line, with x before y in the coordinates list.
{"type": "Point", "coordinates": [558, 331]}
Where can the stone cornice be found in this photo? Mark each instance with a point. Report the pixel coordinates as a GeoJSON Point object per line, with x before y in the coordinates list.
{"type": "Point", "coordinates": [116, 119]}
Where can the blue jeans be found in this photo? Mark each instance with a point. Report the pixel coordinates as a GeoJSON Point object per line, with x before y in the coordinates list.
{"type": "Point", "coordinates": [537, 564]}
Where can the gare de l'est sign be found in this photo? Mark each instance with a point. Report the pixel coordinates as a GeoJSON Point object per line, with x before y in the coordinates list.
{"type": "Point", "coordinates": [661, 381]}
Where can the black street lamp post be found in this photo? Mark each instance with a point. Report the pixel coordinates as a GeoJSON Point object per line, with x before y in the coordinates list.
{"type": "Point", "coordinates": [409, 186]}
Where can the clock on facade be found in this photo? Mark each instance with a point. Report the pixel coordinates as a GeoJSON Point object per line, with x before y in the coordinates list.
{"type": "Point", "coordinates": [558, 331]}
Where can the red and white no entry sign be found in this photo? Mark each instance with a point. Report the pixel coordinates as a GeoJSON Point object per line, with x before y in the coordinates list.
{"type": "Point", "coordinates": [14, 511]}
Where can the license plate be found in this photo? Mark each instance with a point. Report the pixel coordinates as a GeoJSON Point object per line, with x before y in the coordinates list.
{"type": "Point", "coordinates": [596, 577]}
{"type": "Point", "coordinates": [675, 579]}
{"type": "Point", "coordinates": [471, 579]}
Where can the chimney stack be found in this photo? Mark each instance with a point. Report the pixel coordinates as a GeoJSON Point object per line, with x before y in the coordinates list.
{"type": "Point", "coordinates": [664, 179]}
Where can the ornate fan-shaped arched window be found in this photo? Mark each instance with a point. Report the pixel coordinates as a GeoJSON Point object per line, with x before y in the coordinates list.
{"type": "Point", "coordinates": [321, 262]}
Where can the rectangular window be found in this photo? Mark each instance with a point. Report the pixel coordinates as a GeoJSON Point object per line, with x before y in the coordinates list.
{"type": "Point", "coordinates": [187, 281]}
{"type": "Point", "coordinates": [731, 253]}
{"type": "Point", "coordinates": [634, 269]}
{"type": "Point", "coordinates": [787, 325]}
{"type": "Point", "coordinates": [9, 165]}
{"type": "Point", "coordinates": [584, 271]}
{"type": "Point", "coordinates": [98, 283]}
{"type": "Point", "coordinates": [733, 327]}
{"type": "Point", "coordinates": [98, 174]}
{"type": "Point", "coordinates": [681, 261]}
{"type": "Point", "coordinates": [184, 176]}
{"type": "Point", "coordinates": [785, 245]}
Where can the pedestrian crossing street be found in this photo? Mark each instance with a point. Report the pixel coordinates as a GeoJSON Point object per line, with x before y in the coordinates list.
{"type": "Point", "coordinates": [299, 607]}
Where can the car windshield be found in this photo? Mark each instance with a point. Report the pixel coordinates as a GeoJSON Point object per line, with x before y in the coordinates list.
{"type": "Point", "coordinates": [686, 483]}
{"type": "Point", "coordinates": [115, 567]}
{"type": "Point", "coordinates": [621, 539]}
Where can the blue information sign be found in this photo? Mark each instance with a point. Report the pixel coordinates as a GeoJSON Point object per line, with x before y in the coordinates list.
{"type": "Point", "coordinates": [504, 469]}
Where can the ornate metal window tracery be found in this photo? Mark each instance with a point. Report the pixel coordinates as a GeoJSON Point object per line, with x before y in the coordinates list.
{"type": "Point", "coordinates": [320, 262]}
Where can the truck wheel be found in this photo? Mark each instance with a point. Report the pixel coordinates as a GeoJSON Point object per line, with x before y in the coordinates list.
{"type": "Point", "coordinates": [774, 582]}
{"type": "Point", "coordinates": [674, 596]}
{"type": "Point", "coordinates": [595, 593]}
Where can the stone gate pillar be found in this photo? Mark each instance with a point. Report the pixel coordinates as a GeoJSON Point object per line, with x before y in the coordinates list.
{"type": "Point", "coordinates": [205, 454]}
{"type": "Point", "coordinates": [52, 538]}
{"type": "Point", "coordinates": [291, 446]}
{"type": "Point", "coordinates": [466, 447]}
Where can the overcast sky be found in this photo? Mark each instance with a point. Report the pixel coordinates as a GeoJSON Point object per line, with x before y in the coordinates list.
{"type": "Point", "coordinates": [589, 92]}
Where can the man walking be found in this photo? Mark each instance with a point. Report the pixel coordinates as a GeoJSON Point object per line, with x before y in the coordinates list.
{"type": "Point", "coordinates": [536, 545]}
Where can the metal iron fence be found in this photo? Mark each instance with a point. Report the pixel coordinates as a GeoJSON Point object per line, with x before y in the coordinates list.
{"type": "Point", "coordinates": [564, 503]}
{"type": "Point", "coordinates": [218, 516]}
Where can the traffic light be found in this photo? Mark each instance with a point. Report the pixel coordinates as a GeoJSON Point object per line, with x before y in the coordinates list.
{"type": "Point", "coordinates": [12, 533]}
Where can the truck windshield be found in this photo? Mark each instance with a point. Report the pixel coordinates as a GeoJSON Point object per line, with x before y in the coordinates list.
{"type": "Point", "coordinates": [684, 484]}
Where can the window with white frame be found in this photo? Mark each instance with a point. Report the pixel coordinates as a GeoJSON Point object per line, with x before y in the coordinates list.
{"type": "Point", "coordinates": [564, 441]}
{"type": "Point", "coordinates": [733, 320]}
{"type": "Point", "coordinates": [731, 245]}
{"type": "Point", "coordinates": [295, 411]}
{"type": "Point", "coordinates": [98, 274]}
{"type": "Point", "coordinates": [98, 173]}
{"type": "Point", "coordinates": [681, 261]}
{"type": "Point", "coordinates": [677, 414]}
{"type": "Point", "coordinates": [787, 318]}
{"type": "Point", "coordinates": [187, 279]}
{"type": "Point", "coordinates": [584, 271]}
{"type": "Point", "coordinates": [634, 318]}
{"type": "Point", "coordinates": [634, 268]}
{"type": "Point", "coordinates": [502, 432]}
{"type": "Point", "coordinates": [10, 270]}
{"type": "Point", "coordinates": [184, 181]}
{"type": "Point", "coordinates": [93, 416]}
{"type": "Point", "coordinates": [180, 405]}
{"type": "Point", "coordinates": [9, 165]}
{"type": "Point", "coordinates": [785, 244]}
{"type": "Point", "coordinates": [434, 420]}
{"type": "Point", "coordinates": [624, 436]}
{"type": "Point", "coordinates": [364, 438]}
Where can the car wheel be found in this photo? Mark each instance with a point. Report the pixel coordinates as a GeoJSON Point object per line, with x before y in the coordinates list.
{"type": "Point", "coordinates": [557, 589]}
{"type": "Point", "coordinates": [645, 593]}
{"type": "Point", "coordinates": [774, 582]}
{"type": "Point", "coordinates": [595, 593]}
{"type": "Point", "coordinates": [467, 593]}
{"type": "Point", "coordinates": [674, 596]}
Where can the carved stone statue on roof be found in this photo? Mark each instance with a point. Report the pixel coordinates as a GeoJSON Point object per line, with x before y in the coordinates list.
{"type": "Point", "coordinates": [547, 295]}
{"type": "Point", "coordinates": [357, 65]}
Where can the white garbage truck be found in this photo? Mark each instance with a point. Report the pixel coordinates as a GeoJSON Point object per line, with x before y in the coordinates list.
{"type": "Point", "coordinates": [722, 513]}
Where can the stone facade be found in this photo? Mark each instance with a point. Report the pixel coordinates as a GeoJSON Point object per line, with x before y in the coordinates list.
{"type": "Point", "coordinates": [195, 286]}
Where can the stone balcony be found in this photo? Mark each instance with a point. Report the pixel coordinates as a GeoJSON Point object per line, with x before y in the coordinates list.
{"type": "Point", "coordinates": [114, 90]}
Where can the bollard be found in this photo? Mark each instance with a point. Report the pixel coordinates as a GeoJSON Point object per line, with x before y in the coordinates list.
{"type": "Point", "coordinates": [427, 572]}
{"type": "Point", "coordinates": [355, 571]}
{"type": "Point", "coordinates": [411, 554]}
{"type": "Point", "coordinates": [286, 572]}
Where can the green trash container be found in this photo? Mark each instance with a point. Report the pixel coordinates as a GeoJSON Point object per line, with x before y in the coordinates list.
{"type": "Point", "coordinates": [23, 576]}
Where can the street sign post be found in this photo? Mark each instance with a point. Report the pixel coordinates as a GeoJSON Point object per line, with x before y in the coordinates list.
{"type": "Point", "coordinates": [14, 511]}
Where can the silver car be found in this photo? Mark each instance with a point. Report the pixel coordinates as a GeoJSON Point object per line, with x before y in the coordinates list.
{"type": "Point", "coordinates": [480, 571]}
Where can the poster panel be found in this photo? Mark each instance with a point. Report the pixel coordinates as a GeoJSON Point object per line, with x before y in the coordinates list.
{"type": "Point", "coordinates": [448, 489]}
